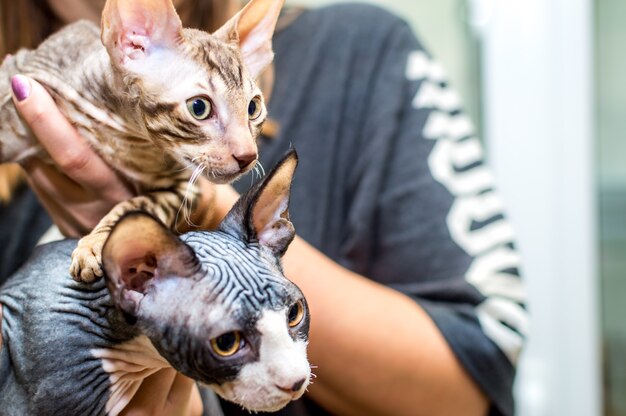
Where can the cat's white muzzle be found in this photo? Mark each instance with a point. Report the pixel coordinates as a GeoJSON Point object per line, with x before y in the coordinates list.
{"type": "Point", "coordinates": [281, 374]}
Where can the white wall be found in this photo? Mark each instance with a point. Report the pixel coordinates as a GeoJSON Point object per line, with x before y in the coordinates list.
{"type": "Point", "coordinates": [539, 127]}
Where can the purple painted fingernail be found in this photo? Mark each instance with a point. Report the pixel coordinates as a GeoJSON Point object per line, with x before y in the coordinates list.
{"type": "Point", "coordinates": [21, 87]}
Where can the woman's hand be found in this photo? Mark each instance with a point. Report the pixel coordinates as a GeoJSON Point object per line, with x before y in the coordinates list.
{"type": "Point", "coordinates": [165, 393]}
{"type": "Point", "coordinates": [85, 188]}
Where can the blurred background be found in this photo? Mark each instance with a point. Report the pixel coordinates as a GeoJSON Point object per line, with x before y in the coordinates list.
{"type": "Point", "coordinates": [543, 81]}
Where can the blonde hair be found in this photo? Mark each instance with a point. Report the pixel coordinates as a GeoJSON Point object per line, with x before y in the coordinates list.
{"type": "Point", "coordinates": [25, 23]}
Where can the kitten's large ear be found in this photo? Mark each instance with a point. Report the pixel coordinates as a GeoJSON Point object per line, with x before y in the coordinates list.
{"type": "Point", "coordinates": [133, 29]}
{"type": "Point", "coordinates": [253, 28]}
{"type": "Point", "coordinates": [139, 250]}
{"type": "Point", "coordinates": [262, 213]}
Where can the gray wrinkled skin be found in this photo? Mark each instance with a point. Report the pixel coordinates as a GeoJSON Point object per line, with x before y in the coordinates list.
{"type": "Point", "coordinates": [50, 324]}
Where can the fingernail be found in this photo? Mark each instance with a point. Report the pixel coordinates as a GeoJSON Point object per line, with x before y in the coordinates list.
{"type": "Point", "coordinates": [20, 86]}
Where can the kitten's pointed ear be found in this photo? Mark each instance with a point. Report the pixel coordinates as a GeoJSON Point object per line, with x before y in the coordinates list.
{"type": "Point", "coordinates": [262, 213]}
{"type": "Point", "coordinates": [253, 28]}
{"type": "Point", "coordinates": [133, 29]}
{"type": "Point", "coordinates": [139, 250]}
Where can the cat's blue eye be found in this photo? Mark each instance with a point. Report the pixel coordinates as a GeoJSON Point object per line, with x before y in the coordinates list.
{"type": "Point", "coordinates": [295, 314]}
{"type": "Point", "coordinates": [255, 108]}
{"type": "Point", "coordinates": [227, 344]}
{"type": "Point", "coordinates": [200, 107]}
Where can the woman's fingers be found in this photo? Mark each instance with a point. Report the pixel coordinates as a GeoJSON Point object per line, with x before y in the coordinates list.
{"type": "Point", "coordinates": [62, 141]}
{"type": "Point", "coordinates": [152, 394]}
{"type": "Point", "coordinates": [165, 393]}
{"type": "Point", "coordinates": [72, 209]}
{"type": "Point", "coordinates": [184, 397]}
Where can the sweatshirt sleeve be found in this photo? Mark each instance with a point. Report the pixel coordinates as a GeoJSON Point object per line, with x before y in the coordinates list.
{"type": "Point", "coordinates": [441, 235]}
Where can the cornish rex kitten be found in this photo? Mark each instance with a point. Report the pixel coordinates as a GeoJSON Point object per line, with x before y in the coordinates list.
{"type": "Point", "coordinates": [213, 305]}
{"type": "Point", "coordinates": [156, 101]}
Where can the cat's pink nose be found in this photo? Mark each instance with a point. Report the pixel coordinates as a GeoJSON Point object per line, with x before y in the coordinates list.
{"type": "Point", "coordinates": [245, 159]}
{"type": "Point", "coordinates": [293, 388]}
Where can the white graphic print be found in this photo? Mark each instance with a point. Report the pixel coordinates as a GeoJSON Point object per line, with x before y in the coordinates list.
{"type": "Point", "coordinates": [475, 219]}
{"type": "Point", "coordinates": [447, 155]}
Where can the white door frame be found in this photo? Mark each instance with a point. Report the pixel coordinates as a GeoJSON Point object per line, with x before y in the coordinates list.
{"type": "Point", "coordinates": [539, 128]}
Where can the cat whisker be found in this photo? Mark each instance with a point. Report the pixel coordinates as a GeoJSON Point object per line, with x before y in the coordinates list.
{"type": "Point", "coordinates": [186, 205]}
{"type": "Point", "coordinates": [249, 411]}
{"type": "Point", "coordinates": [258, 172]}
{"type": "Point", "coordinates": [187, 166]}
{"type": "Point", "coordinates": [261, 168]}
{"type": "Point", "coordinates": [252, 178]}
{"type": "Point", "coordinates": [312, 378]}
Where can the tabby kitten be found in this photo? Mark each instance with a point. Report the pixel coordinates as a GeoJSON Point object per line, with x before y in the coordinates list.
{"type": "Point", "coordinates": [214, 305]}
{"type": "Point", "coordinates": [155, 100]}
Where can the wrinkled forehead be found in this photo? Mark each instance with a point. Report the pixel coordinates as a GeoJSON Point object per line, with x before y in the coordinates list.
{"type": "Point", "coordinates": [222, 59]}
{"type": "Point", "coordinates": [202, 64]}
{"type": "Point", "coordinates": [241, 275]}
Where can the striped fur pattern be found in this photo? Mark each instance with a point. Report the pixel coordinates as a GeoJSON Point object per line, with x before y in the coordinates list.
{"type": "Point", "coordinates": [130, 90]}
{"type": "Point", "coordinates": [213, 305]}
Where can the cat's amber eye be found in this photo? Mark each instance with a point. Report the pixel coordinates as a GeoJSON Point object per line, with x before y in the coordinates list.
{"type": "Point", "coordinates": [227, 344]}
{"type": "Point", "coordinates": [255, 108]}
{"type": "Point", "coordinates": [295, 314]}
{"type": "Point", "coordinates": [200, 107]}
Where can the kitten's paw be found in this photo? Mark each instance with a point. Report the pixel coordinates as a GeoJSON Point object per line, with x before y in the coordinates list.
{"type": "Point", "coordinates": [87, 258]}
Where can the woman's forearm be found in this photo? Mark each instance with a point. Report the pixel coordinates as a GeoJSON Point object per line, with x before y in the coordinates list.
{"type": "Point", "coordinates": [376, 350]}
